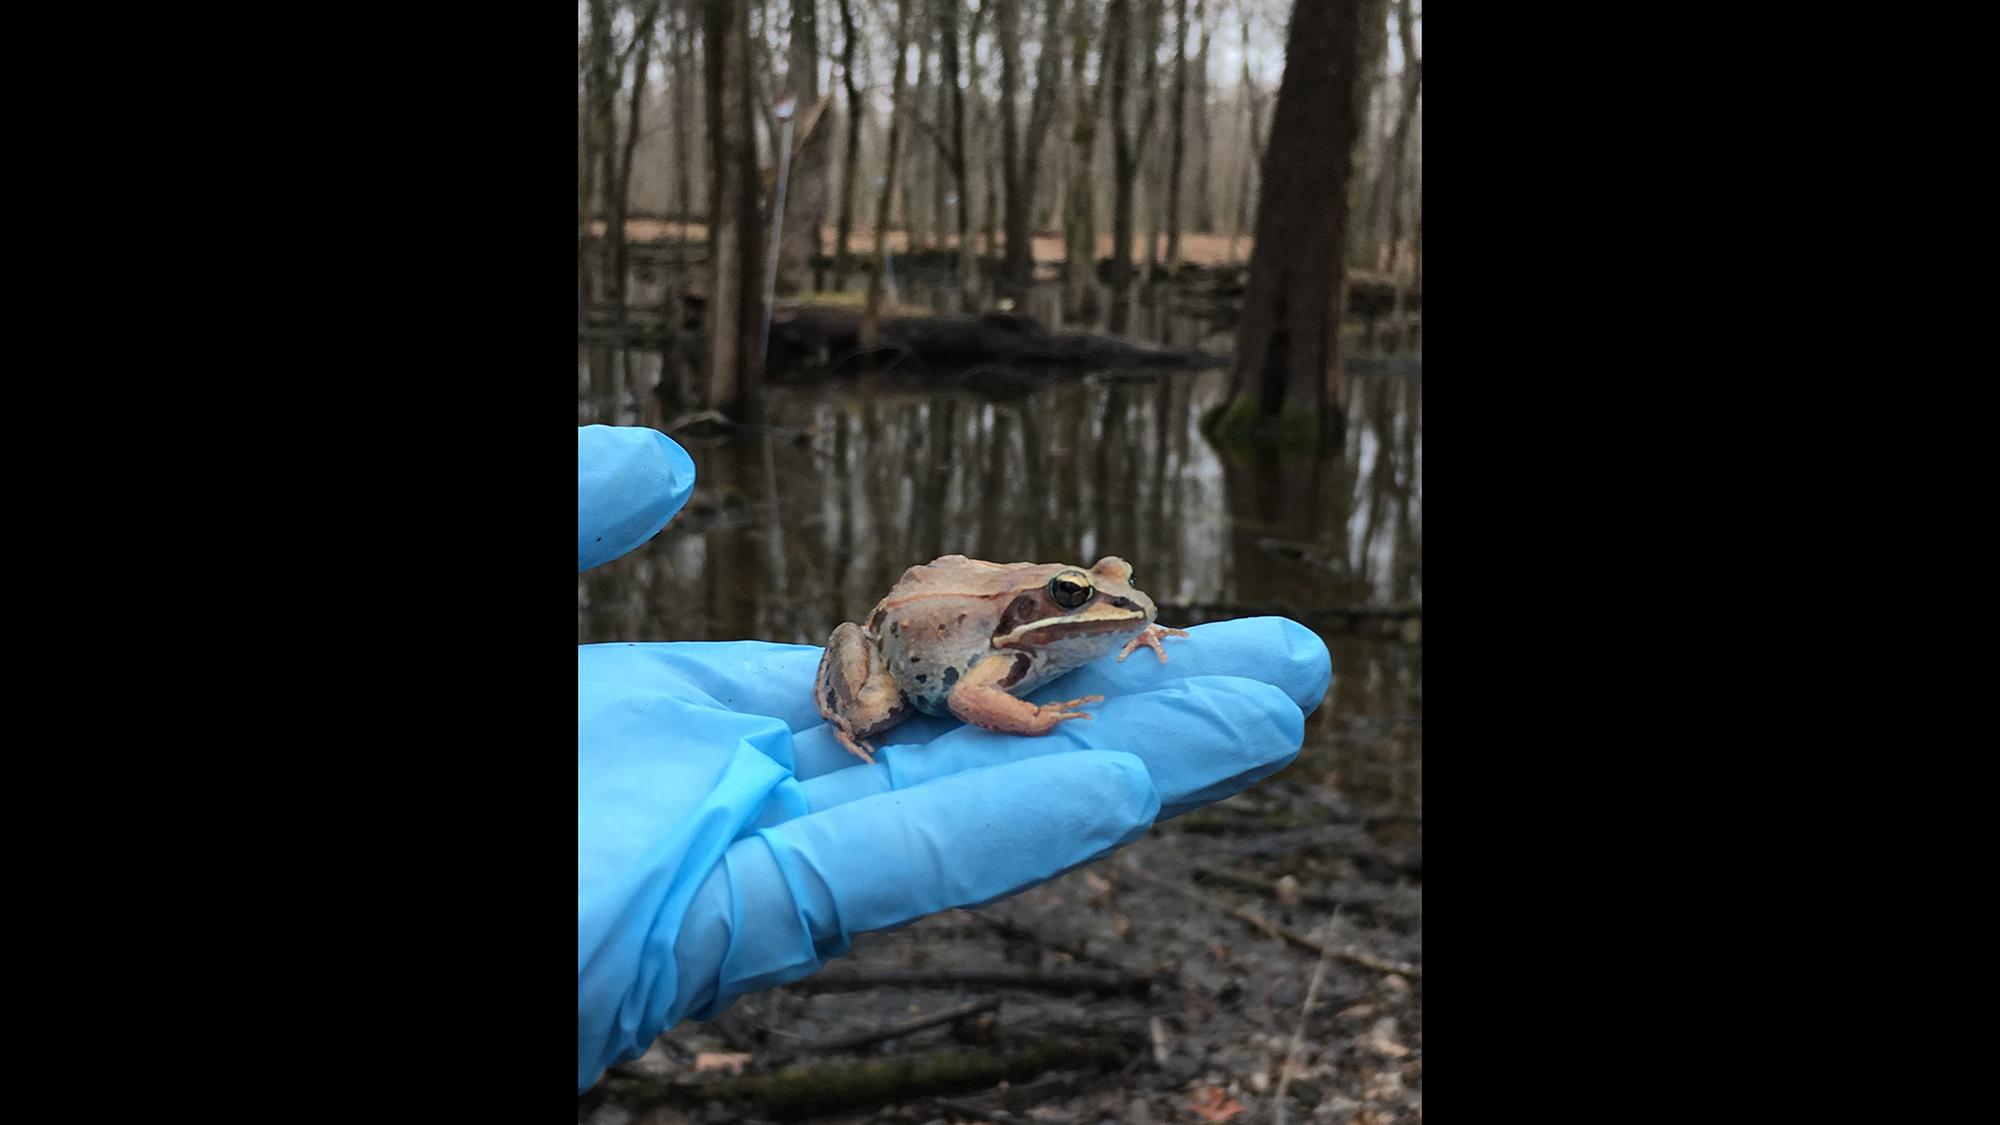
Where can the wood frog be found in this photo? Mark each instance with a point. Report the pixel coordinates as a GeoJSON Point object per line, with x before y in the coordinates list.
{"type": "Point", "coordinates": [962, 637]}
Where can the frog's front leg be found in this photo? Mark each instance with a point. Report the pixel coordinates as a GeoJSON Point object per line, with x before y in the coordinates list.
{"type": "Point", "coordinates": [980, 698]}
{"type": "Point", "coordinates": [855, 691]}
{"type": "Point", "coordinates": [1151, 639]}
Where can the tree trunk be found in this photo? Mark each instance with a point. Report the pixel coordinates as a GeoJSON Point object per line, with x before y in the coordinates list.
{"type": "Point", "coordinates": [599, 92]}
{"type": "Point", "coordinates": [850, 160]}
{"type": "Point", "coordinates": [682, 133]}
{"type": "Point", "coordinates": [1006, 27]}
{"type": "Point", "coordinates": [1178, 124]}
{"type": "Point", "coordinates": [1020, 152]}
{"type": "Point", "coordinates": [805, 196]}
{"type": "Point", "coordinates": [1252, 142]}
{"type": "Point", "coordinates": [1080, 220]}
{"type": "Point", "coordinates": [731, 321]}
{"type": "Point", "coordinates": [913, 168]}
{"type": "Point", "coordinates": [621, 199]}
{"type": "Point", "coordinates": [1128, 142]}
{"type": "Point", "coordinates": [940, 173]}
{"type": "Point", "coordinates": [1399, 142]}
{"type": "Point", "coordinates": [1288, 384]}
{"type": "Point", "coordinates": [953, 139]}
{"type": "Point", "coordinates": [1204, 193]}
{"type": "Point", "coordinates": [1413, 84]}
{"type": "Point", "coordinates": [981, 139]}
{"type": "Point", "coordinates": [871, 317]}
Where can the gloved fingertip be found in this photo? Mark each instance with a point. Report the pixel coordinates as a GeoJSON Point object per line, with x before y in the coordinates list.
{"type": "Point", "coordinates": [1306, 651]}
{"type": "Point", "coordinates": [631, 481]}
{"type": "Point", "coordinates": [679, 470]}
{"type": "Point", "coordinates": [1117, 783]}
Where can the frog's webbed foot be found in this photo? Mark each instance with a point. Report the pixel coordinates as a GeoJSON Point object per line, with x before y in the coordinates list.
{"type": "Point", "coordinates": [1151, 639]}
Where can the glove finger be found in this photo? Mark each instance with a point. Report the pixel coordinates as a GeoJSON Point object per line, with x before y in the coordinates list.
{"type": "Point", "coordinates": [629, 482]}
{"type": "Point", "coordinates": [1201, 739]}
{"type": "Point", "coordinates": [747, 677]}
{"type": "Point", "coordinates": [791, 897]}
{"type": "Point", "coordinates": [1275, 650]}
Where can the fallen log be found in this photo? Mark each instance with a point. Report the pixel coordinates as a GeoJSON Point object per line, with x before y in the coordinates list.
{"type": "Point", "coordinates": [1391, 622]}
{"type": "Point", "coordinates": [819, 337]}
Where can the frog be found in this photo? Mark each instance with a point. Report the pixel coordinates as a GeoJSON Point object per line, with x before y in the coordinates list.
{"type": "Point", "coordinates": [966, 638]}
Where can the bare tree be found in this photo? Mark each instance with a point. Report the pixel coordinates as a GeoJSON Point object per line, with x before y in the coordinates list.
{"type": "Point", "coordinates": [1020, 155]}
{"type": "Point", "coordinates": [913, 166]}
{"type": "Point", "coordinates": [600, 90]}
{"type": "Point", "coordinates": [951, 135]}
{"type": "Point", "coordinates": [1204, 194]}
{"type": "Point", "coordinates": [1128, 139]}
{"type": "Point", "coordinates": [850, 160]}
{"type": "Point", "coordinates": [985, 137]}
{"type": "Point", "coordinates": [871, 316]}
{"type": "Point", "coordinates": [1178, 126]}
{"type": "Point", "coordinates": [1253, 108]}
{"type": "Point", "coordinates": [805, 196]}
{"type": "Point", "coordinates": [731, 320]}
{"type": "Point", "coordinates": [682, 133]}
{"type": "Point", "coordinates": [1080, 219]}
{"type": "Point", "coordinates": [1288, 384]}
{"type": "Point", "coordinates": [1399, 146]}
{"type": "Point", "coordinates": [614, 226]}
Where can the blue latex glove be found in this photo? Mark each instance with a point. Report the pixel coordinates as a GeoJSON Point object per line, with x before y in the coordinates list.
{"type": "Point", "coordinates": [726, 843]}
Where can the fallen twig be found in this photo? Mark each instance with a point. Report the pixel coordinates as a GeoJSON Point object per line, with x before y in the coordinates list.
{"type": "Point", "coordinates": [908, 1027]}
{"type": "Point", "coordinates": [1370, 899]}
{"type": "Point", "coordinates": [1013, 929]}
{"type": "Point", "coordinates": [1299, 1029]}
{"type": "Point", "coordinates": [1064, 983]}
{"type": "Point", "coordinates": [966, 1111]}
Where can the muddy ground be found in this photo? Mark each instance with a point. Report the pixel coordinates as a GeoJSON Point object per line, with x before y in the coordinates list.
{"type": "Point", "coordinates": [1137, 995]}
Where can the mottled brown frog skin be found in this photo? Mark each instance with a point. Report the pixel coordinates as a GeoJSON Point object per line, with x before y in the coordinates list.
{"type": "Point", "coordinates": [962, 637]}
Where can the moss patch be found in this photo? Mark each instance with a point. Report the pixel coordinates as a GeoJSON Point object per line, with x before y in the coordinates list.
{"type": "Point", "coordinates": [1240, 426]}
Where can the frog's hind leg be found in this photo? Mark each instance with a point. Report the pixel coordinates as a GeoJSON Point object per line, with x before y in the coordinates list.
{"type": "Point", "coordinates": [855, 691]}
{"type": "Point", "coordinates": [980, 698]}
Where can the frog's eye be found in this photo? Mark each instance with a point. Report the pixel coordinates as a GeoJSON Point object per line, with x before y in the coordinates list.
{"type": "Point", "coordinates": [1070, 589]}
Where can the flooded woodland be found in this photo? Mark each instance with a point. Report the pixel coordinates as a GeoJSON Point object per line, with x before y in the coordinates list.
{"type": "Point", "coordinates": [805, 525]}
{"type": "Point", "coordinates": [1041, 281]}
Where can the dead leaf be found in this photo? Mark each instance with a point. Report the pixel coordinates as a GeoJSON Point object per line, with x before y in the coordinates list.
{"type": "Point", "coordinates": [1382, 1039]}
{"type": "Point", "coordinates": [721, 1060]}
{"type": "Point", "coordinates": [1214, 1104]}
{"type": "Point", "coordinates": [1219, 951]}
{"type": "Point", "coordinates": [1097, 882]}
{"type": "Point", "coordinates": [1385, 1085]}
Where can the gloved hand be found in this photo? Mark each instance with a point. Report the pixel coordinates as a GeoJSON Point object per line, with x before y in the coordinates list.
{"type": "Point", "coordinates": [726, 843]}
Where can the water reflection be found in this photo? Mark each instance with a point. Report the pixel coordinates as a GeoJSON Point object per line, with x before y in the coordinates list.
{"type": "Point", "coordinates": [793, 532]}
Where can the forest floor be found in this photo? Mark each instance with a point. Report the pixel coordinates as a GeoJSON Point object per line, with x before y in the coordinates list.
{"type": "Point", "coordinates": [1181, 980]}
